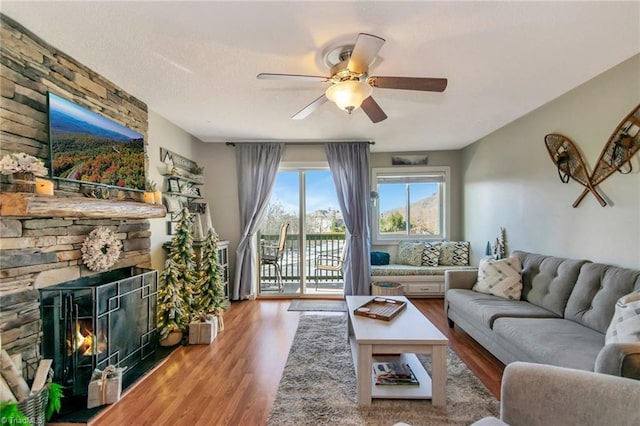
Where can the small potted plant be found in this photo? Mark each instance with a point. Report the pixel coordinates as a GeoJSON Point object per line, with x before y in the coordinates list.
{"type": "Point", "coordinates": [149, 192]}
{"type": "Point", "coordinates": [22, 169]}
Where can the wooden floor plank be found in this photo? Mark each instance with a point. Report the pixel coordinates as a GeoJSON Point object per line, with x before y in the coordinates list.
{"type": "Point", "coordinates": [234, 380]}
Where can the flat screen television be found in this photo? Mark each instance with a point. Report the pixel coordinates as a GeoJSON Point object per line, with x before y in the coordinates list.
{"type": "Point", "coordinates": [88, 147]}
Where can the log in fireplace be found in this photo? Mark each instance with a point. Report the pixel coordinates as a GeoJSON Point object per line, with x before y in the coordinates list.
{"type": "Point", "coordinates": [92, 322]}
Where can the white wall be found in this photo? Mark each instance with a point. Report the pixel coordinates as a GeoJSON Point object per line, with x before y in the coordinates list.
{"type": "Point", "coordinates": [163, 133]}
{"type": "Point", "coordinates": [509, 179]}
{"type": "Point", "coordinates": [221, 192]}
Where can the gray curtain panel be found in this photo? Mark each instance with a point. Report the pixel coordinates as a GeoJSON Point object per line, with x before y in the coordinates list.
{"type": "Point", "coordinates": [349, 164]}
{"type": "Point", "coordinates": [257, 165]}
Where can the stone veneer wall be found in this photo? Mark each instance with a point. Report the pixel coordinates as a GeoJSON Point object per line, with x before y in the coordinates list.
{"type": "Point", "coordinates": [36, 253]}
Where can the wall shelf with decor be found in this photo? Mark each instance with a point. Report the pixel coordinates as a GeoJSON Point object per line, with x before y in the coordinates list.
{"type": "Point", "coordinates": [183, 178]}
{"type": "Point", "coordinates": [29, 205]}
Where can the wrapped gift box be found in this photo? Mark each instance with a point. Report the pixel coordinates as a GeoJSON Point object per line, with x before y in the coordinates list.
{"type": "Point", "coordinates": [203, 332]}
{"type": "Point", "coordinates": [105, 386]}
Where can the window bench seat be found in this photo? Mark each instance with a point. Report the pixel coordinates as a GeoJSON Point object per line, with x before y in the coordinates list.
{"type": "Point", "coordinates": [418, 281]}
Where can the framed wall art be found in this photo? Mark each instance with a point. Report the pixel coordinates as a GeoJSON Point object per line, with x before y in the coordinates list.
{"type": "Point", "coordinates": [174, 185]}
{"type": "Point", "coordinates": [409, 160]}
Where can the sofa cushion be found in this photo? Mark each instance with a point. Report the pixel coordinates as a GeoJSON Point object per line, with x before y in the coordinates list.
{"type": "Point", "coordinates": [431, 254]}
{"type": "Point", "coordinates": [625, 324]}
{"type": "Point", "coordinates": [547, 281]}
{"type": "Point", "coordinates": [410, 253]}
{"type": "Point", "coordinates": [500, 277]}
{"type": "Point", "coordinates": [406, 270]}
{"type": "Point", "coordinates": [552, 341]}
{"type": "Point", "coordinates": [596, 292]}
{"type": "Point", "coordinates": [454, 253]}
{"type": "Point", "coordinates": [484, 308]}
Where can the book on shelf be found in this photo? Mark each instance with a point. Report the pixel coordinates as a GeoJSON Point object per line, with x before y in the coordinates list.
{"type": "Point", "coordinates": [393, 373]}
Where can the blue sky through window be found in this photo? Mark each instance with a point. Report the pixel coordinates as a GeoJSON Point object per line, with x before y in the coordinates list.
{"type": "Point", "coordinates": [394, 195]}
{"type": "Point", "coordinates": [321, 193]}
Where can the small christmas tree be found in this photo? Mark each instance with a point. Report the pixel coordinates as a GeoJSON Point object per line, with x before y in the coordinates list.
{"type": "Point", "coordinates": [175, 296]}
{"type": "Point", "coordinates": [172, 312]}
{"type": "Point", "coordinates": [210, 296]}
{"type": "Point", "coordinates": [182, 254]}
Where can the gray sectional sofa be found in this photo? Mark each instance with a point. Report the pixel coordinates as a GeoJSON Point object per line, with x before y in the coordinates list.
{"type": "Point", "coordinates": [561, 319]}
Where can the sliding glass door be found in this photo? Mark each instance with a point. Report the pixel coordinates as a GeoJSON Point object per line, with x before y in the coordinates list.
{"type": "Point", "coordinates": [308, 259]}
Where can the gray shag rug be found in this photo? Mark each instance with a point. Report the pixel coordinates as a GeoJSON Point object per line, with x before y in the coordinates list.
{"type": "Point", "coordinates": [318, 305]}
{"type": "Point", "coordinates": [318, 386]}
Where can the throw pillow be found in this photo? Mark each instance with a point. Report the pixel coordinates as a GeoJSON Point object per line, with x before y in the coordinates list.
{"type": "Point", "coordinates": [625, 325]}
{"type": "Point", "coordinates": [410, 253]}
{"type": "Point", "coordinates": [431, 254]}
{"type": "Point", "coordinates": [379, 258]}
{"type": "Point", "coordinates": [454, 253]}
{"type": "Point", "coordinates": [500, 277]}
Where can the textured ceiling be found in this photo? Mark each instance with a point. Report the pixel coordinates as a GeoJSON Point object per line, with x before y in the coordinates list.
{"type": "Point", "coordinates": [195, 63]}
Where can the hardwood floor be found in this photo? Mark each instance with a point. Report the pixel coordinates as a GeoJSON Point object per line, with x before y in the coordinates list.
{"type": "Point", "coordinates": [234, 380]}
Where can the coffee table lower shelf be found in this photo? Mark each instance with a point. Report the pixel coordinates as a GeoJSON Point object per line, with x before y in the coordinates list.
{"type": "Point", "coordinates": [421, 391]}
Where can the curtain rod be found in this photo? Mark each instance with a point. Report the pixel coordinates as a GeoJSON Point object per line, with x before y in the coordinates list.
{"type": "Point", "coordinates": [300, 143]}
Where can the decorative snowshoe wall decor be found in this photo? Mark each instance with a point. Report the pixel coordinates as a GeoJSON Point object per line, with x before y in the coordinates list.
{"type": "Point", "coordinates": [623, 144]}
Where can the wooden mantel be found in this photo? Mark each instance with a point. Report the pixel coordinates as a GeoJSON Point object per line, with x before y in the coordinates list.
{"type": "Point", "coordinates": [18, 204]}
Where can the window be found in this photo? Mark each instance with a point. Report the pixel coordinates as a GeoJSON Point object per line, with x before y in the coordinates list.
{"type": "Point", "coordinates": [411, 203]}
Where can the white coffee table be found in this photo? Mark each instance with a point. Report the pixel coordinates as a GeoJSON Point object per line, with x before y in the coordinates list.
{"type": "Point", "coordinates": [399, 339]}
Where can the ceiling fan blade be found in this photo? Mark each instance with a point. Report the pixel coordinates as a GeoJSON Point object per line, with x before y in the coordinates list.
{"type": "Point", "coordinates": [364, 52]}
{"type": "Point", "coordinates": [373, 110]}
{"type": "Point", "coordinates": [410, 83]}
{"type": "Point", "coordinates": [304, 112]}
{"type": "Point", "coordinates": [310, 78]}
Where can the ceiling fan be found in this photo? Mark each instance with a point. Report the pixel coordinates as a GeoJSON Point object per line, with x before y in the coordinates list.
{"type": "Point", "coordinates": [351, 86]}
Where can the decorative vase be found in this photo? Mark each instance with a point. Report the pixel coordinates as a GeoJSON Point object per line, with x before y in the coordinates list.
{"type": "Point", "coordinates": [44, 187]}
{"type": "Point", "coordinates": [157, 197]}
{"type": "Point", "coordinates": [172, 339]}
{"type": "Point", "coordinates": [24, 182]}
{"type": "Point", "coordinates": [148, 197]}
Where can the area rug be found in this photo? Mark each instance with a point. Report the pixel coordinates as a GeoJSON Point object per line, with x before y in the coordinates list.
{"type": "Point", "coordinates": [318, 386]}
{"type": "Point", "coordinates": [318, 305]}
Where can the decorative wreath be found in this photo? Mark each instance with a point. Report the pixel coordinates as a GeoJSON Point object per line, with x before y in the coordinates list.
{"type": "Point", "coordinates": [101, 249]}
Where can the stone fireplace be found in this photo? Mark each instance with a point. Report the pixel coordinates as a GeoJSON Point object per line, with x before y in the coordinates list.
{"type": "Point", "coordinates": [40, 246]}
{"type": "Point", "coordinates": [54, 307]}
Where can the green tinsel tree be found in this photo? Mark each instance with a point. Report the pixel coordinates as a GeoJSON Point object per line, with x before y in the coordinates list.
{"type": "Point", "coordinates": [210, 296]}
{"type": "Point", "coordinates": [176, 295]}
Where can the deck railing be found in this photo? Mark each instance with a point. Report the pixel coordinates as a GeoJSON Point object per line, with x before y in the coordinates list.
{"type": "Point", "coordinates": [316, 244]}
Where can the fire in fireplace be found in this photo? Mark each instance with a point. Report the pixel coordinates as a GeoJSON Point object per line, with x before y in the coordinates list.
{"type": "Point", "coordinates": [85, 341]}
{"type": "Point", "coordinates": [90, 323]}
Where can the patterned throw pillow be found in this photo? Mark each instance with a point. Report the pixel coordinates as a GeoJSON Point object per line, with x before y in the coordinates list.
{"type": "Point", "coordinates": [500, 277]}
{"type": "Point", "coordinates": [625, 325]}
{"type": "Point", "coordinates": [410, 253]}
{"type": "Point", "coordinates": [431, 254]}
{"type": "Point", "coordinates": [454, 253]}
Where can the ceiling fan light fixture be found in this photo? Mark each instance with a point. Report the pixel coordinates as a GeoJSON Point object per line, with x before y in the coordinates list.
{"type": "Point", "coordinates": [349, 95]}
